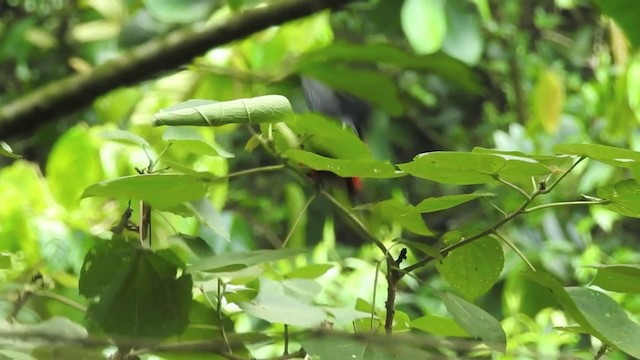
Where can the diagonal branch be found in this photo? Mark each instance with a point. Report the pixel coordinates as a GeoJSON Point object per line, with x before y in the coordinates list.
{"type": "Point", "coordinates": [144, 62]}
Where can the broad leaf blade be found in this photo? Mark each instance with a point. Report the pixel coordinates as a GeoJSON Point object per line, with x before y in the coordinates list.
{"type": "Point", "coordinates": [606, 154]}
{"type": "Point", "coordinates": [440, 326]}
{"type": "Point", "coordinates": [620, 278]}
{"type": "Point", "coordinates": [624, 197]}
{"type": "Point", "coordinates": [268, 108]}
{"type": "Point", "coordinates": [476, 321]}
{"type": "Point", "coordinates": [473, 268]}
{"type": "Point", "coordinates": [342, 167]}
{"type": "Point", "coordinates": [242, 260]}
{"type": "Point", "coordinates": [446, 202]}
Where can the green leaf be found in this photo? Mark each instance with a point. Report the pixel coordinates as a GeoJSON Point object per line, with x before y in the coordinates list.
{"type": "Point", "coordinates": [438, 325]}
{"type": "Point", "coordinates": [190, 140]}
{"type": "Point", "coordinates": [473, 268]}
{"type": "Point", "coordinates": [608, 318]}
{"type": "Point", "coordinates": [367, 85]}
{"type": "Point", "coordinates": [163, 191]}
{"type": "Point", "coordinates": [464, 38]}
{"type": "Point", "coordinates": [73, 164]}
{"type": "Point", "coordinates": [342, 167]}
{"type": "Point", "coordinates": [476, 321]}
{"type": "Point", "coordinates": [5, 150]}
{"type": "Point", "coordinates": [180, 11]}
{"type": "Point", "coordinates": [620, 278]}
{"type": "Point", "coordinates": [241, 260]}
{"type": "Point", "coordinates": [625, 13]}
{"type": "Point", "coordinates": [125, 137]}
{"type": "Point", "coordinates": [548, 99]}
{"type": "Point", "coordinates": [446, 202]}
{"type": "Point", "coordinates": [139, 292]}
{"type": "Point", "coordinates": [208, 215]}
{"type": "Point", "coordinates": [333, 348]}
{"type": "Point", "coordinates": [624, 197]}
{"type": "Point", "coordinates": [377, 53]}
{"type": "Point", "coordinates": [607, 154]}
{"type": "Point", "coordinates": [309, 272]}
{"type": "Point", "coordinates": [274, 306]}
{"type": "Point", "coordinates": [268, 108]}
{"type": "Point", "coordinates": [550, 161]}
{"type": "Point", "coordinates": [425, 24]}
{"type": "Point", "coordinates": [402, 213]}
{"type": "Point", "coordinates": [469, 168]}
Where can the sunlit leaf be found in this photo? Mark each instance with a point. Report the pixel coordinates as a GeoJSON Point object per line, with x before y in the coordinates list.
{"type": "Point", "coordinates": [606, 154]}
{"type": "Point", "coordinates": [342, 167]}
{"type": "Point", "coordinates": [473, 268]}
{"type": "Point", "coordinates": [400, 212]}
{"type": "Point", "coordinates": [190, 140]}
{"type": "Point", "coordinates": [438, 325]}
{"type": "Point", "coordinates": [241, 260]}
{"type": "Point", "coordinates": [5, 150]}
{"type": "Point", "coordinates": [124, 136]}
{"type": "Point", "coordinates": [620, 278]}
{"type": "Point", "coordinates": [163, 191]}
{"type": "Point", "coordinates": [548, 101]}
{"type": "Point", "coordinates": [309, 272]}
{"type": "Point", "coordinates": [268, 108]}
{"type": "Point", "coordinates": [464, 38]}
{"type": "Point", "coordinates": [425, 24]}
{"type": "Point", "coordinates": [476, 321]}
{"type": "Point", "coordinates": [274, 306]}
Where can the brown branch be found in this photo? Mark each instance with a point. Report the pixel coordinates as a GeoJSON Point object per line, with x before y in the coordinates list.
{"type": "Point", "coordinates": [70, 94]}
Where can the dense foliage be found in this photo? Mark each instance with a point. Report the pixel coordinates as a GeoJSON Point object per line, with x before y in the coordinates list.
{"type": "Point", "coordinates": [201, 214]}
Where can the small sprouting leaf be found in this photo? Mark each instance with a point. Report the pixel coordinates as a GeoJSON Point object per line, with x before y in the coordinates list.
{"type": "Point", "coordinates": [5, 150]}
{"type": "Point", "coordinates": [620, 278]}
{"type": "Point", "coordinates": [268, 108]}
{"type": "Point", "coordinates": [342, 167]}
{"type": "Point", "coordinates": [476, 321]}
{"type": "Point", "coordinates": [125, 137]}
{"type": "Point", "coordinates": [190, 140]}
{"type": "Point", "coordinates": [473, 268]}
{"type": "Point", "coordinates": [438, 325]}
{"type": "Point", "coordinates": [162, 191]}
{"type": "Point", "coordinates": [624, 197]}
{"type": "Point", "coordinates": [446, 202]}
{"type": "Point", "coordinates": [140, 293]}
{"type": "Point", "coordinates": [241, 260]}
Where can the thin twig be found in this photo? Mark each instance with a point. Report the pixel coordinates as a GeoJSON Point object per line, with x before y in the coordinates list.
{"type": "Point", "coordinates": [61, 299]}
{"type": "Point", "coordinates": [514, 187]}
{"type": "Point", "coordinates": [286, 340]}
{"type": "Point", "coordinates": [566, 203]}
{"type": "Point", "coordinates": [298, 218]}
{"type": "Point", "coordinates": [515, 249]}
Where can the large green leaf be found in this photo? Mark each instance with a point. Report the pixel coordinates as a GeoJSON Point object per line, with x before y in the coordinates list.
{"type": "Point", "coordinates": [190, 140]}
{"type": "Point", "coordinates": [606, 154]}
{"type": "Point", "coordinates": [342, 167]}
{"type": "Point", "coordinates": [625, 13]}
{"type": "Point", "coordinates": [425, 24]}
{"type": "Point", "coordinates": [329, 137]}
{"type": "Point", "coordinates": [274, 305]}
{"type": "Point", "coordinates": [468, 168]}
{"type": "Point", "coordinates": [139, 291]}
{"type": "Point", "coordinates": [268, 108]}
{"type": "Point", "coordinates": [402, 213]}
{"type": "Point", "coordinates": [476, 321]}
{"type": "Point", "coordinates": [241, 260]}
{"type": "Point", "coordinates": [377, 53]}
{"type": "Point", "coordinates": [446, 202]}
{"type": "Point", "coordinates": [621, 278]}
{"type": "Point", "coordinates": [163, 191]}
{"type": "Point", "coordinates": [438, 325]}
{"type": "Point", "coordinates": [464, 39]}
{"type": "Point", "coordinates": [624, 197]}
{"type": "Point", "coordinates": [473, 268]}
{"type": "Point", "coordinates": [367, 85]}
{"type": "Point", "coordinates": [608, 318]}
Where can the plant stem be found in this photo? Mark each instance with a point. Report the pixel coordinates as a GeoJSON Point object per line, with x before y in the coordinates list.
{"type": "Point", "coordinates": [297, 220]}
{"type": "Point", "coordinates": [254, 170]}
{"type": "Point", "coordinates": [566, 203]}
{"type": "Point", "coordinates": [61, 299]}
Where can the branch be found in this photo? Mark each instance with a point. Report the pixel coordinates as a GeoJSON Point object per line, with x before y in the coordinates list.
{"type": "Point", "coordinates": [144, 62]}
